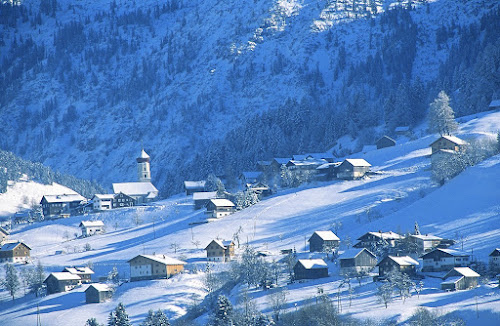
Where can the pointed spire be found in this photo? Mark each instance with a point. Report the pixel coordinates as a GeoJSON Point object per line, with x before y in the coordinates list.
{"type": "Point", "coordinates": [417, 229]}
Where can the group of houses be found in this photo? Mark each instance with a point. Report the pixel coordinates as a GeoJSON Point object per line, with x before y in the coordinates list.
{"type": "Point", "coordinates": [13, 251]}
{"type": "Point", "coordinates": [125, 194]}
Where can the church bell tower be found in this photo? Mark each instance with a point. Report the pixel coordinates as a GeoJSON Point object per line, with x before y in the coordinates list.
{"type": "Point", "coordinates": [143, 170]}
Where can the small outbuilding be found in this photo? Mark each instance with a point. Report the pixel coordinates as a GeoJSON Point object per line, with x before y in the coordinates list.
{"type": "Point", "coordinates": [98, 292]}
{"type": "Point", "coordinates": [90, 228]}
{"type": "Point", "coordinates": [355, 261]}
{"type": "Point", "coordinates": [460, 278]}
{"type": "Point", "coordinates": [323, 239]}
{"type": "Point", "coordinates": [310, 269]}
{"type": "Point", "coordinates": [494, 260]}
{"type": "Point", "coordinates": [62, 282]}
{"type": "Point", "coordinates": [353, 168]}
{"type": "Point", "coordinates": [385, 141]}
{"type": "Point", "coordinates": [403, 264]}
{"type": "Point", "coordinates": [201, 199]}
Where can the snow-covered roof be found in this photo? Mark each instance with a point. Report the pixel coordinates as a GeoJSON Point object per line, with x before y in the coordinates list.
{"type": "Point", "coordinates": [353, 253]}
{"type": "Point", "coordinates": [104, 196]}
{"type": "Point", "coordinates": [402, 129]}
{"type": "Point", "coordinates": [385, 235]}
{"type": "Point", "coordinates": [162, 259]}
{"type": "Point", "coordinates": [65, 276]}
{"type": "Point", "coordinates": [263, 163]}
{"type": "Point", "coordinates": [2, 230]}
{"type": "Point", "coordinates": [222, 202]}
{"type": "Point", "coordinates": [494, 104]}
{"type": "Point", "coordinates": [134, 188]}
{"type": "Point", "coordinates": [88, 224]}
{"type": "Point", "coordinates": [309, 161]}
{"type": "Point", "coordinates": [452, 280]}
{"type": "Point", "coordinates": [324, 155]}
{"type": "Point", "coordinates": [143, 154]}
{"type": "Point", "coordinates": [357, 162]}
{"type": "Point", "coordinates": [451, 252]}
{"type": "Point", "coordinates": [466, 271]}
{"type": "Point", "coordinates": [313, 263]}
{"type": "Point", "coordinates": [495, 252]}
{"type": "Point", "coordinates": [100, 287]}
{"type": "Point", "coordinates": [194, 184]}
{"type": "Point", "coordinates": [385, 137]}
{"type": "Point", "coordinates": [204, 195]}
{"type": "Point", "coordinates": [425, 237]}
{"type": "Point", "coordinates": [281, 160]}
{"type": "Point", "coordinates": [222, 243]}
{"type": "Point", "coordinates": [64, 198]}
{"type": "Point", "coordinates": [404, 261]}
{"type": "Point", "coordinates": [328, 165]}
{"type": "Point", "coordinates": [453, 139]}
{"type": "Point", "coordinates": [8, 246]}
{"type": "Point", "coordinates": [327, 235]}
{"type": "Point", "coordinates": [79, 270]}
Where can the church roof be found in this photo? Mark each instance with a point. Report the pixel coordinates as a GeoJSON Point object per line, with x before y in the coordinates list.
{"type": "Point", "coordinates": [134, 188]}
{"type": "Point", "coordinates": [143, 154]}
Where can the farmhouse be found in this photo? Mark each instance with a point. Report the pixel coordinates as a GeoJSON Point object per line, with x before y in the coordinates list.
{"type": "Point", "coordinates": [14, 252]}
{"type": "Point", "coordinates": [61, 205]}
{"type": "Point", "coordinates": [460, 278]}
{"type": "Point", "coordinates": [373, 239]}
{"type": "Point", "coordinates": [385, 141]}
{"type": "Point", "coordinates": [4, 235]}
{"type": "Point", "coordinates": [448, 142]}
{"type": "Point", "coordinates": [494, 260]}
{"type": "Point", "coordinates": [260, 188]}
{"type": "Point", "coordinates": [62, 282]}
{"type": "Point", "coordinates": [425, 242]}
{"type": "Point", "coordinates": [250, 177]}
{"type": "Point", "coordinates": [85, 273]}
{"type": "Point", "coordinates": [220, 250]}
{"type": "Point", "coordinates": [102, 202]}
{"type": "Point", "coordinates": [441, 260]}
{"type": "Point", "coordinates": [148, 267]}
{"type": "Point", "coordinates": [353, 168]}
{"type": "Point", "coordinates": [263, 166]}
{"type": "Point", "coordinates": [91, 227]}
{"type": "Point", "coordinates": [354, 261]}
{"type": "Point", "coordinates": [97, 293]}
{"type": "Point", "coordinates": [323, 239]}
{"type": "Point", "coordinates": [122, 200]}
{"type": "Point", "coordinates": [310, 269]}
{"type": "Point", "coordinates": [217, 208]}
{"type": "Point", "coordinates": [201, 199]}
{"type": "Point", "coordinates": [404, 264]}
{"type": "Point", "coordinates": [278, 163]}
{"type": "Point", "coordinates": [190, 187]}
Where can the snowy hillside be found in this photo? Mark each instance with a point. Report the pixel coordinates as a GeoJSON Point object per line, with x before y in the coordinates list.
{"type": "Point", "coordinates": [392, 199]}
{"type": "Point", "coordinates": [85, 85]}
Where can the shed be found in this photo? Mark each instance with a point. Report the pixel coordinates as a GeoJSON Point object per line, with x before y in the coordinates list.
{"type": "Point", "coordinates": [321, 239]}
{"type": "Point", "coordinates": [448, 143]}
{"type": "Point", "coordinates": [460, 278]}
{"type": "Point", "coordinates": [353, 168]}
{"type": "Point", "coordinates": [219, 207]}
{"type": "Point", "coordinates": [354, 261]}
{"type": "Point", "coordinates": [385, 141]}
{"type": "Point", "coordinates": [494, 105]}
{"type": "Point", "coordinates": [201, 199]}
{"type": "Point", "coordinates": [403, 264]}
{"type": "Point", "coordinates": [194, 186]}
{"type": "Point", "coordinates": [310, 269]}
{"type": "Point", "coordinates": [90, 228]}
{"type": "Point", "coordinates": [98, 292]}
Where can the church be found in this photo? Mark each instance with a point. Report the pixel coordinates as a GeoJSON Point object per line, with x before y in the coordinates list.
{"type": "Point", "coordinates": [143, 191]}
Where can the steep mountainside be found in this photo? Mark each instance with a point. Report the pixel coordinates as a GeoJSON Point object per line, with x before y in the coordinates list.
{"type": "Point", "coordinates": [213, 86]}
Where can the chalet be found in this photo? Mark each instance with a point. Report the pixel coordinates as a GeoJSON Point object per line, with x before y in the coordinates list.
{"type": "Point", "coordinates": [322, 156]}
{"type": "Point", "coordinates": [263, 166]}
{"type": "Point", "coordinates": [327, 171]}
{"type": "Point", "coordinates": [148, 267]}
{"type": "Point", "coordinates": [310, 269]}
{"type": "Point", "coordinates": [441, 260]}
{"type": "Point", "coordinates": [62, 282]}
{"type": "Point", "coordinates": [353, 168]}
{"type": "Point", "coordinates": [61, 205]}
{"type": "Point", "coordinates": [308, 163]}
{"type": "Point", "coordinates": [15, 252]}
{"type": "Point", "coordinates": [448, 142]}
{"type": "Point", "coordinates": [260, 188]}
{"type": "Point", "coordinates": [122, 200]}
{"type": "Point", "coordinates": [102, 202]}
{"type": "Point", "coordinates": [385, 141]}
{"type": "Point", "coordinates": [250, 177]}
{"type": "Point", "coordinates": [91, 227]}
{"type": "Point", "coordinates": [220, 250]}
{"type": "Point", "coordinates": [354, 261]}
{"type": "Point", "coordinates": [460, 278]}
{"type": "Point", "coordinates": [201, 199]}
{"type": "Point", "coordinates": [425, 242]}
{"type": "Point", "coordinates": [402, 131]}
{"type": "Point", "coordinates": [141, 192]}
{"type": "Point", "coordinates": [4, 235]}
{"type": "Point", "coordinates": [494, 260]}
{"type": "Point", "coordinates": [85, 273]}
{"type": "Point", "coordinates": [98, 292]}
{"type": "Point", "coordinates": [323, 239]}
{"type": "Point", "coordinates": [404, 264]}
{"type": "Point", "coordinates": [373, 239]}
{"type": "Point", "coordinates": [278, 163]}
{"type": "Point", "coordinates": [190, 187]}
{"type": "Point", "coordinates": [219, 208]}
{"type": "Point", "coordinates": [494, 105]}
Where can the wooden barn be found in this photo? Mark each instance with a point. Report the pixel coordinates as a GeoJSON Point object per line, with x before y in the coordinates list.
{"type": "Point", "coordinates": [460, 278]}
{"type": "Point", "coordinates": [310, 269]}
{"type": "Point", "coordinates": [404, 264]}
{"type": "Point", "coordinates": [446, 142]}
{"type": "Point", "coordinates": [97, 293]}
{"type": "Point", "coordinates": [148, 267]}
{"type": "Point", "coordinates": [385, 141]}
{"type": "Point", "coordinates": [201, 199]}
{"type": "Point", "coordinates": [494, 260]}
{"type": "Point", "coordinates": [190, 187]}
{"type": "Point", "coordinates": [352, 168]}
{"type": "Point", "coordinates": [62, 282]}
{"type": "Point", "coordinates": [122, 200]}
{"type": "Point", "coordinates": [354, 261]}
{"type": "Point", "coordinates": [372, 239]}
{"type": "Point", "coordinates": [442, 260]}
{"type": "Point", "coordinates": [321, 239]}
{"type": "Point", "coordinates": [220, 250]}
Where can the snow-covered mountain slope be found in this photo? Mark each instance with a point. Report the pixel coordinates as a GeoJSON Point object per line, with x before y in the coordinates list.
{"type": "Point", "coordinates": [84, 85]}
{"type": "Point", "coordinates": [393, 199]}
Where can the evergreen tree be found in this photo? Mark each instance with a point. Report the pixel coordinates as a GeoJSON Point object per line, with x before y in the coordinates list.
{"type": "Point", "coordinates": [11, 282]}
{"type": "Point", "coordinates": [119, 317]}
{"type": "Point", "coordinates": [35, 278]}
{"type": "Point", "coordinates": [441, 116]}
{"type": "Point", "coordinates": [92, 322]}
{"type": "Point", "coordinates": [224, 312]}
{"type": "Point", "coordinates": [157, 318]}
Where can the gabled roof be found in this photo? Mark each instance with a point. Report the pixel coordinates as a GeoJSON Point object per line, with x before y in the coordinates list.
{"type": "Point", "coordinates": [221, 243]}
{"type": "Point", "coordinates": [204, 195]}
{"type": "Point", "coordinates": [425, 237]}
{"type": "Point", "coordinates": [313, 263]}
{"type": "Point", "coordinates": [464, 271]}
{"type": "Point", "coordinates": [353, 253]}
{"type": "Point", "coordinates": [305, 162]}
{"type": "Point", "coordinates": [2, 230]}
{"type": "Point", "coordinates": [495, 252]}
{"type": "Point", "coordinates": [357, 162]}
{"type": "Point", "coordinates": [402, 261]}
{"type": "Point", "coordinates": [281, 160]}
{"type": "Point", "coordinates": [324, 155]}
{"type": "Point", "coordinates": [447, 252]}
{"type": "Point", "coordinates": [79, 270]}
{"type": "Point", "coordinates": [161, 259]}
{"type": "Point", "coordinates": [195, 184]}
{"type": "Point", "coordinates": [64, 198]}
{"type": "Point", "coordinates": [402, 129]}
{"type": "Point", "coordinates": [383, 235]}
{"type": "Point", "coordinates": [221, 202]}
{"type": "Point", "coordinates": [452, 280]}
{"type": "Point", "coordinates": [494, 103]}
{"type": "Point", "coordinates": [64, 276]}
{"type": "Point", "coordinates": [134, 188]}
{"type": "Point", "coordinates": [88, 224]}
{"type": "Point", "coordinates": [326, 235]}
{"type": "Point", "coordinates": [100, 287]}
{"type": "Point", "coordinates": [328, 165]}
{"type": "Point", "coordinates": [453, 139]}
{"type": "Point", "coordinates": [104, 196]}
{"type": "Point", "coordinates": [386, 137]}
{"type": "Point", "coordinates": [8, 246]}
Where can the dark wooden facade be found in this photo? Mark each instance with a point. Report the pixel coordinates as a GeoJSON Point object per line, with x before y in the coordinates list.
{"type": "Point", "coordinates": [303, 270]}
{"type": "Point", "coordinates": [356, 261]}
{"type": "Point", "coordinates": [122, 200]}
{"type": "Point", "coordinates": [219, 250]}
{"type": "Point", "coordinates": [448, 143]}
{"type": "Point", "coordinates": [442, 260]}
{"type": "Point", "coordinates": [15, 252]}
{"type": "Point", "coordinates": [322, 239]}
{"type": "Point", "coordinates": [460, 279]}
{"type": "Point", "coordinates": [65, 206]}
{"type": "Point", "coordinates": [61, 282]}
{"type": "Point", "coordinates": [404, 264]}
{"type": "Point", "coordinates": [385, 141]}
{"type": "Point", "coordinates": [97, 293]}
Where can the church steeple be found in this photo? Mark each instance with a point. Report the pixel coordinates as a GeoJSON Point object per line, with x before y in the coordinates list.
{"type": "Point", "coordinates": [143, 169]}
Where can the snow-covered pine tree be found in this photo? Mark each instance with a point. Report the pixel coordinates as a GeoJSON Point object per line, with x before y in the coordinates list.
{"type": "Point", "coordinates": [92, 322]}
{"type": "Point", "coordinates": [441, 116]}
{"type": "Point", "coordinates": [157, 318]}
{"type": "Point", "coordinates": [223, 315]}
{"type": "Point", "coordinates": [11, 282]}
{"type": "Point", "coordinates": [119, 317]}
